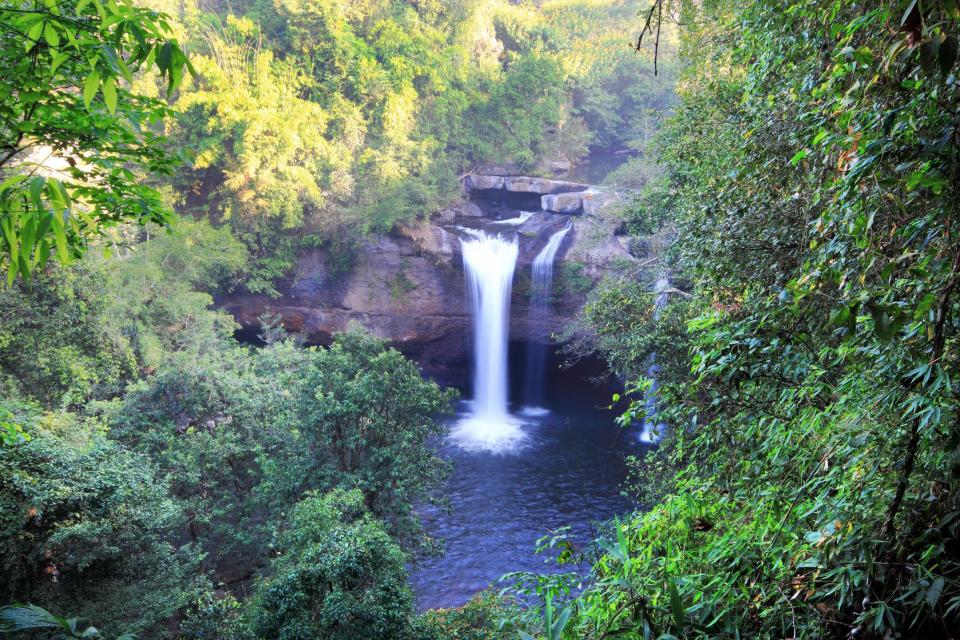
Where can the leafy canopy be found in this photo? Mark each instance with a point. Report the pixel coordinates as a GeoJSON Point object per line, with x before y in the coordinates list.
{"type": "Point", "coordinates": [72, 133]}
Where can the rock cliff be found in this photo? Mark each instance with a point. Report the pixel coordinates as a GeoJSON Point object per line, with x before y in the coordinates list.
{"type": "Point", "coordinates": [408, 286]}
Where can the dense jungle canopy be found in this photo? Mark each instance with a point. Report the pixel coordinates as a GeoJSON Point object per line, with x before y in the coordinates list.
{"type": "Point", "coordinates": [795, 166]}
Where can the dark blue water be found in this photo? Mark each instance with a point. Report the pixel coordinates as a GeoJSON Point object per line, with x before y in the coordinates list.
{"type": "Point", "coordinates": [568, 474]}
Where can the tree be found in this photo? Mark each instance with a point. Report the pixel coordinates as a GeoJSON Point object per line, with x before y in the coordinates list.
{"type": "Point", "coordinates": [338, 575]}
{"type": "Point", "coordinates": [88, 527]}
{"type": "Point", "coordinates": [362, 417]}
{"type": "Point", "coordinates": [209, 420]}
{"type": "Point", "coordinates": [55, 346]}
{"type": "Point", "coordinates": [813, 174]}
{"type": "Point", "coordinates": [71, 133]}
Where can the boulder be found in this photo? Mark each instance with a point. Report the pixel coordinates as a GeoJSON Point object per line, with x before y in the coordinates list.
{"type": "Point", "coordinates": [562, 202]}
{"type": "Point", "coordinates": [428, 238]}
{"type": "Point", "coordinates": [484, 182]}
{"type": "Point", "coordinates": [527, 184]}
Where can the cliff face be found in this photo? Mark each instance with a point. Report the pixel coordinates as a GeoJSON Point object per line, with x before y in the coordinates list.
{"type": "Point", "coordinates": [408, 286]}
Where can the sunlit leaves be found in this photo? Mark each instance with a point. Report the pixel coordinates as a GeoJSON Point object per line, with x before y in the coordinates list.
{"type": "Point", "coordinates": [71, 82]}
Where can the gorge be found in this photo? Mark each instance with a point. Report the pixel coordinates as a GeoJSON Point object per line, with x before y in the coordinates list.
{"type": "Point", "coordinates": [479, 320]}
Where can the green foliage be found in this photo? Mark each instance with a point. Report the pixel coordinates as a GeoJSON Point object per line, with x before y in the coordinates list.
{"type": "Point", "coordinates": [74, 334]}
{"type": "Point", "coordinates": [240, 435]}
{"type": "Point", "coordinates": [207, 419]}
{"type": "Point", "coordinates": [11, 431]}
{"type": "Point", "coordinates": [338, 575]}
{"type": "Point", "coordinates": [508, 123]}
{"type": "Point", "coordinates": [60, 185]}
{"type": "Point", "coordinates": [54, 346]}
{"type": "Point", "coordinates": [27, 618]}
{"type": "Point", "coordinates": [572, 279]}
{"type": "Point", "coordinates": [361, 417]}
{"type": "Point", "coordinates": [89, 527]}
{"type": "Point", "coordinates": [345, 119]}
{"type": "Point", "coordinates": [400, 286]}
{"type": "Point", "coordinates": [487, 616]}
{"type": "Point", "coordinates": [216, 616]}
{"type": "Point", "coordinates": [144, 452]}
{"type": "Point", "coordinates": [159, 292]}
{"type": "Point", "coordinates": [812, 169]}
{"type": "Point", "coordinates": [628, 330]}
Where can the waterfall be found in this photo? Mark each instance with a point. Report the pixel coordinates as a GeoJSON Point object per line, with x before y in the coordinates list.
{"type": "Point", "coordinates": [516, 222]}
{"type": "Point", "coordinates": [488, 262]}
{"type": "Point", "coordinates": [540, 290]}
{"type": "Point", "coordinates": [651, 428]}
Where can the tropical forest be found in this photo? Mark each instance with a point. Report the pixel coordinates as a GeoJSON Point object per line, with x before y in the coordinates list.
{"type": "Point", "coordinates": [479, 319]}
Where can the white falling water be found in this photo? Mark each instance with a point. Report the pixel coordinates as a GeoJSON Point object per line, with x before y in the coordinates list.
{"type": "Point", "coordinates": [651, 428]}
{"type": "Point", "coordinates": [488, 262]}
{"type": "Point", "coordinates": [523, 217]}
{"type": "Point", "coordinates": [541, 287]}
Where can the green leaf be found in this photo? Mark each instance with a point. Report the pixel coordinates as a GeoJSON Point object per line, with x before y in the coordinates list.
{"type": "Point", "coordinates": [60, 236]}
{"type": "Point", "coordinates": [37, 184]}
{"type": "Point", "coordinates": [164, 56]}
{"type": "Point", "coordinates": [798, 156]}
{"type": "Point", "coordinates": [110, 94]}
{"type": "Point", "coordinates": [42, 255]}
{"type": "Point", "coordinates": [561, 623]}
{"type": "Point", "coordinates": [36, 30]}
{"type": "Point", "coordinates": [934, 592]}
{"type": "Point", "coordinates": [863, 55]}
{"type": "Point", "coordinates": [27, 618]}
{"type": "Point", "coordinates": [58, 60]}
{"type": "Point", "coordinates": [676, 605]}
{"type": "Point", "coordinates": [51, 36]}
{"type": "Point", "coordinates": [90, 86]}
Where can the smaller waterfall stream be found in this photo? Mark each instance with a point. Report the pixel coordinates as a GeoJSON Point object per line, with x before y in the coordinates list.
{"type": "Point", "coordinates": [540, 290]}
{"type": "Point", "coordinates": [489, 262]}
{"type": "Point", "coordinates": [650, 429]}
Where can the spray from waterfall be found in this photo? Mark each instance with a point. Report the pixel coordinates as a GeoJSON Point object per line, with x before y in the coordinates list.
{"type": "Point", "coordinates": [489, 262]}
{"type": "Point", "coordinates": [541, 287]}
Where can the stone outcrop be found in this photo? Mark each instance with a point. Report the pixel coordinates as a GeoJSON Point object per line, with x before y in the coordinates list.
{"type": "Point", "coordinates": [480, 182]}
{"type": "Point", "coordinates": [593, 200]}
{"type": "Point", "coordinates": [562, 202]}
{"type": "Point", "coordinates": [521, 184]}
{"type": "Point", "coordinates": [556, 196]}
{"type": "Point", "coordinates": [408, 287]}
{"type": "Point", "coordinates": [589, 202]}
{"type": "Point", "coordinates": [540, 186]}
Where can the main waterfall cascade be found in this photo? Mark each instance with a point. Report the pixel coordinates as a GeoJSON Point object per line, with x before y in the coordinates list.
{"type": "Point", "coordinates": [489, 262]}
{"type": "Point", "coordinates": [541, 288]}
